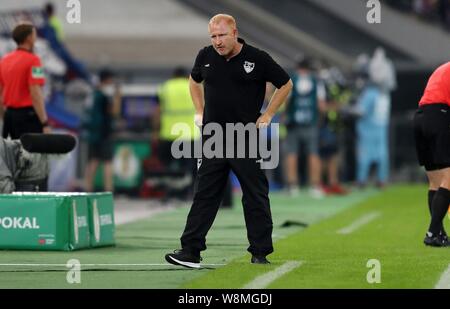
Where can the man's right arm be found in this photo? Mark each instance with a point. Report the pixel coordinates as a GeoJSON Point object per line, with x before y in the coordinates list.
{"type": "Point", "coordinates": [37, 98]}
{"type": "Point", "coordinates": [198, 98]}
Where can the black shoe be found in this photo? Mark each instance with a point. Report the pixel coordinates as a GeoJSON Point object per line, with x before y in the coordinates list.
{"type": "Point", "coordinates": [183, 258]}
{"type": "Point", "coordinates": [444, 238]}
{"type": "Point", "coordinates": [436, 241]}
{"type": "Point", "coordinates": [259, 259]}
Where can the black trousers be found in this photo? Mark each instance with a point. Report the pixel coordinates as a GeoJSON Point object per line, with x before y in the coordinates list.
{"type": "Point", "coordinates": [432, 136]}
{"type": "Point", "coordinates": [209, 190]}
{"type": "Point", "coordinates": [19, 121]}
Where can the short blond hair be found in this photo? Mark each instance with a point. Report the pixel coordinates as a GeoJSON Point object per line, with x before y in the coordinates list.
{"type": "Point", "coordinates": [223, 17]}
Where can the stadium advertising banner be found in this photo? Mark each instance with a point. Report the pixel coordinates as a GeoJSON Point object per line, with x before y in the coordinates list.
{"type": "Point", "coordinates": [57, 221]}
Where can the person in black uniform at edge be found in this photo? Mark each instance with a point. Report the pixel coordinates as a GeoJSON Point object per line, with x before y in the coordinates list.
{"type": "Point", "coordinates": [228, 84]}
{"type": "Point", "coordinates": [432, 136]}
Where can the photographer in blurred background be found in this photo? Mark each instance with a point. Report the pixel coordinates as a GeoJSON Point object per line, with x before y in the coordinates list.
{"type": "Point", "coordinates": [373, 108]}
{"type": "Point", "coordinates": [98, 128]}
{"type": "Point", "coordinates": [432, 135]}
{"type": "Point", "coordinates": [307, 101]}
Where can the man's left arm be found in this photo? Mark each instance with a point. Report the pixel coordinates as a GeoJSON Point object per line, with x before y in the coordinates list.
{"type": "Point", "coordinates": [278, 98]}
{"type": "Point", "coordinates": [278, 77]}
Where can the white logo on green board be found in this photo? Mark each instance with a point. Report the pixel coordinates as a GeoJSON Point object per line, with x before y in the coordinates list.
{"type": "Point", "coordinates": [37, 72]}
{"type": "Point", "coordinates": [126, 164]}
{"type": "Point", "coordinates": [75, 221]}
{"type": "Point", "coordinates": [82, 221]}
{"type": "Point", "coordinates": [96, 221]}
{"type": "Point", "coordinates": [20, 223]}
{"type": "Point", "coordinates": [78, 222]}
{"type": "Point", "coordinates": [106, 220]}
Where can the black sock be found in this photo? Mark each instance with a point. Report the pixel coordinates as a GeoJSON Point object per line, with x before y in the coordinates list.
{"type": "Point", "coordinates": [430, 201]}
{"type": "Point", "coordinates": [439, 207]}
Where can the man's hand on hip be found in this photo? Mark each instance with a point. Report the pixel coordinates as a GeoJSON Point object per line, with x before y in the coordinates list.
{"type": "Point", "coordinates": [198, 120]}
{"type": "Point", "coordinates": [47, 130]}
{"type": "Point", "coordinates": [263, 121]}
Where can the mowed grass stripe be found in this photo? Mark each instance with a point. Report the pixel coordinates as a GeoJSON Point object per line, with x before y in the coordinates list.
{"type": "Point", "coordinates": [395, 239]}
{"type": "Point", "coordinates": [334, 261]}
{"type": "Point", "coordinates": [148, 240]}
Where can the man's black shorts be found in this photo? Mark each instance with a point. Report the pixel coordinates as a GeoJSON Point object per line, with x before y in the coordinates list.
{"type": "Point", "coordinates": [102, 151]}
{"type": "Point", "coordinates": [19, 121]}
{"type": "Point", "coordinates": [432, 135]}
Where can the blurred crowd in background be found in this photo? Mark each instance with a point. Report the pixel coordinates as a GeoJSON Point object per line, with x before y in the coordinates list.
{"type": "Point", "coordinates": [430, 10]}
{"type": "Point", "coordinates": [336, 125]}
{"type": "Point", "coordinates": [334, 128]}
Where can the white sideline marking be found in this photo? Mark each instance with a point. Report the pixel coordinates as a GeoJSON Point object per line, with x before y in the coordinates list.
{"type": "Point", "coordinates": [99, 265]}
{"type": "Point", "coordinates": [444, 282]}
{"type": "Point", "coordinates": [139, 211]}
{"type": "Point", "coordinates": [263, 281]}
{"type": "Point", "coordinates": [358, 223]}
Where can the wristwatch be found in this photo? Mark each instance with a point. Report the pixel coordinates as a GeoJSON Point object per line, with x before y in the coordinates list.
{"type": "Point", "coordinates": [45, 124]}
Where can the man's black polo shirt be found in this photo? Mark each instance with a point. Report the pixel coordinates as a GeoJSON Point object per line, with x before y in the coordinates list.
{"type": "Point", "coordinates": [235, 89]}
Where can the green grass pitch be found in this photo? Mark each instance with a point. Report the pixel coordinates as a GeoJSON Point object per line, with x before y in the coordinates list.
{"type": "Point", "coordinates": [328, 259]}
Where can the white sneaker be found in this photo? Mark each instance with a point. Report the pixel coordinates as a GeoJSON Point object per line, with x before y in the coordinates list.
{"type": "Point", "coordinates": [316, 192]}
{"type": "Point", "coordinates": [293, 191]}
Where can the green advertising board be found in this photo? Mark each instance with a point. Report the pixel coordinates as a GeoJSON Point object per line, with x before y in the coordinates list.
{"type": "Point", "coordinates": [55, 221]}
{"type": "Point", "coordinates": [101, 219]}
{"type": "Point", "coordinates": [127, 164]}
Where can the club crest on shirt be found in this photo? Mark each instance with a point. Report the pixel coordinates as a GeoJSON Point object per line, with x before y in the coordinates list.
{"type": "Point", "coordinates": [249, 66]}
